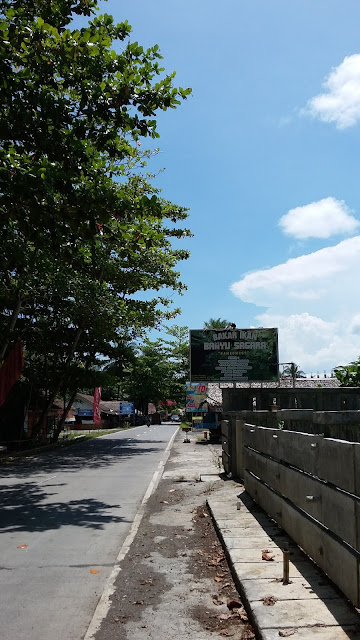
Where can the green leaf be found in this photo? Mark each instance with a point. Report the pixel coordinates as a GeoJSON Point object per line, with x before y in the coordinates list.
{"type": "Point", "coordinates": [86, 236]}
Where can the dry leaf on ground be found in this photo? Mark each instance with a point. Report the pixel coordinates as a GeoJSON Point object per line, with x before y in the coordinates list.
{"type": "Point", "coordinates": [269, 601]}
{"type": "Point", "coordinates": [287, 633]}
{"type": "Point", "coordinates": [241, 614]}
{"type": "Point", "coordinates": [265, 555]}
{"type": "Point", "coordinates": [218, 579]}
{"type": "Point", "coordinates": [225, 616]}
{"type": "Point", "coordinates": [94, 571]}
{"type": "Point", "coordinates": [215, 562]}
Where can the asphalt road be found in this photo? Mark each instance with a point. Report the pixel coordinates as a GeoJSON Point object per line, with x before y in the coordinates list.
{"type": "Point", "coordinates": [64, 516]}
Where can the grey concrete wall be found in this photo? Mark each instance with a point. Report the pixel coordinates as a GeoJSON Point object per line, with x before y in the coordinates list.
{"type": "Point", "coordinates": [311, 486]}
{"type": "Point", "coordinates": [343, 425]}
{"type": "Point", "coordinates": [317, 399]}
{"type": "Point", "coordinates": [335, 559]}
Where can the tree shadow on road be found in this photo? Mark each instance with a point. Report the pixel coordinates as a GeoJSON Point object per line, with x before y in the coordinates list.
{"type": "Point", "coordinates": [93, 454]}
{"type": "Point", "coordinates": [27, 507]}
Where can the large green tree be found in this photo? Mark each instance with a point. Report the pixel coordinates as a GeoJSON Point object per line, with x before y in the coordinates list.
{"type": "Point", "coordinates": [83, 230]}
{"type": "Point", "coordinates": [160, 370]}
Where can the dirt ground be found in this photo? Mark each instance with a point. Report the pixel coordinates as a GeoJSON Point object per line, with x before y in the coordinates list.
{"type": "Point", "coordinates": [175, 582]}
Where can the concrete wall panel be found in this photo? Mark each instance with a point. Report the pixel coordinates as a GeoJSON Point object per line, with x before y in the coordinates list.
{"type": "Point", "coordinates": [303, 491]}
{"type": "Point", "coordinates": [269, 501]}
{"type": "Point", "coordinates": [336, 463]}
{"type": "Point", "coordinates": [268, 440]}
{"type": "Point", "coordinates": [299, 449]}
{"type": "Point", "coordinates": [262, 439]}
{"type": "Point", "coordinates": [305, 533]}
{"type": "Point", "coordinates": [342, 567]}
{"type": "Point", "coordinates": [268, 470]}
{"type": "Point", "coordinates": [339, 514]}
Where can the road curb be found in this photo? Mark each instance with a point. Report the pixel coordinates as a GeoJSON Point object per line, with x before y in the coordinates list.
{"type": "Point", "coordinates": [234, 574]}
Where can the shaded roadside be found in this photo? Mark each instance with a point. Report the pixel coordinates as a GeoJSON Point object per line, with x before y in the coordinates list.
{"type": "Point", "coordinates": [8, 454]}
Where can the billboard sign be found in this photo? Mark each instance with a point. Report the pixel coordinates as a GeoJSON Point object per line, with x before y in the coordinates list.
{"type": "Point", "coordinates": [196, 397]}
{"type": "Point", "coordinates": [126, 408]}
{"type": "Point", "coordinates": [234, 355]}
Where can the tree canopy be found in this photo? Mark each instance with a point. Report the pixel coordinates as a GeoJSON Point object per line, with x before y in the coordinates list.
{"type": "Point", "coordinates": [217, 323]}
{"type": "Point", "coordinates": [84, 231]}
{"type": "Point", "coordinates": [292, 370]}
{"type": "Point", "coordinates": [160, 370]}
{"type": "Point", "coordinates": [349, 375]}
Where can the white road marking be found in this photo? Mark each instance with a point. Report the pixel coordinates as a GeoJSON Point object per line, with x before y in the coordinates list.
{"type": "Point", "coordinates": [46, 479]}
{"type": "Point", "coordinates": [104, 603]}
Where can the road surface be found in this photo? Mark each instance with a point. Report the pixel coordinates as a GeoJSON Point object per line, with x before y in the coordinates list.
{"type": "Point", "coordinates": [64, 516]}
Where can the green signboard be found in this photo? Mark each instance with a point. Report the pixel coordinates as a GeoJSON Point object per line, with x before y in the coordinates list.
{"type": "Point", "coordinates": [234, 355]}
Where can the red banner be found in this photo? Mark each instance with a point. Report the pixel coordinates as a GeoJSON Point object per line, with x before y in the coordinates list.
{"type": "Point", "coordinates": [11, 370]}
{"type": "Point", "coordinates": [96, 406]}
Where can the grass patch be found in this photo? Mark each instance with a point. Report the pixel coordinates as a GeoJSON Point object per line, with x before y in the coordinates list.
{"type": "Point", "coordinates": [71, 438]}
{"type": "Point", "coordinates": [76, 435]}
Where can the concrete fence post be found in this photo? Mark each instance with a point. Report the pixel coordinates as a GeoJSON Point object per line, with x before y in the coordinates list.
{"type": "Point", "coordinates": [226, 446]}
{"type": "Point", "coordinates": [239, 449]}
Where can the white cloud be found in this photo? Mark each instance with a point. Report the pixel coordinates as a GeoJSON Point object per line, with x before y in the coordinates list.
{"type": "Point", "coordinates": [312, 275]}
{"type": "Point", "coordinates": [314, 301]}
{"type": "Point", "coordinates": [340, 103]}
{"type": "Point", "coordinates": [313, 343]}
{"type": "Point", "coordinates": [320, 219]}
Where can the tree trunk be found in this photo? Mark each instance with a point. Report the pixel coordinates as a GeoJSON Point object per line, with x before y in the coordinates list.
{"type": "Point", "coordinates": [61, 422]}
{"type": "Point", "coordinates": [11, 327]}
{"type": "Point", "coordinates": [55, 391]}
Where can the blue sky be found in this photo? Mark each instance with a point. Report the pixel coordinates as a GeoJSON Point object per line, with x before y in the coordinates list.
{"type": "Point", "coordinates": [272, 126]}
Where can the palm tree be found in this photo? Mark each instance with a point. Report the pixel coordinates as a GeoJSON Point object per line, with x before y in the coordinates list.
{"type": "Point", "coordinates": [293, 370]}
{"type": "Point", "coordinates": [218, 323]}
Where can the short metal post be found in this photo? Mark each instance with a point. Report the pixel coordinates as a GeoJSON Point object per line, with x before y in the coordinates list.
{"type": "Point", "coordinates": [286, 563]}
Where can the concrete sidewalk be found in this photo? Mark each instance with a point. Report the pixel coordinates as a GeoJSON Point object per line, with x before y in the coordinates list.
{"type": "Point", "coordinates": [310, 607]}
